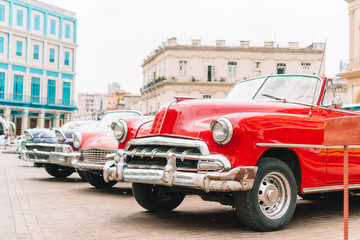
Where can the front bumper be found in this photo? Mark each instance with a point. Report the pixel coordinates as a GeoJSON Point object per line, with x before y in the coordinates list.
{"type": "Point", "coordinates": [63, 158]}
{"type": "Point", "coordinates": [236, 179]}
{"type": "Point", "coordinates": [72, 159]}
{"type": "Point", "coordinates": [35, 156]}
{"type": "Point", "coordinates": [88, 166]}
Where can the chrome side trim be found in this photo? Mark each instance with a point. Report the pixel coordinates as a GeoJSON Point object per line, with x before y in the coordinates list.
{"type": "Point", "coordinates": [41, 144]}
{"type": "Point", "coordinates": [162, 122]}
{"type": "Point", "coordinates": [339, 110]}
{"type": "Point", "coordinates": [284, 145]}
{"type": "Point", "coordinates": [329, 188]}
{"type": "Point", "coordinates": [170, 141]}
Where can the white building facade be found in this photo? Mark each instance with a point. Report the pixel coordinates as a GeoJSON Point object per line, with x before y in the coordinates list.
{"type": "Point", "coordinates": [204, 71]}
{"type": "Point", "coordinates": [37, 63]}
{"type": "Point", "coordinates": [90, 106]}
{"type": "Point", "coordinates": [353, 72]}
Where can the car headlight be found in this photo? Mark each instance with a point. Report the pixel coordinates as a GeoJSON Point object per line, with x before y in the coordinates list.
{"type": "Point", "coordinates": [222, 130]}
{"type": "Point", "coordinates": [28, 136]}
{"type": "Point", "coordinates": [77, 139]}
{"type": "Point", "coordinates": [60, 137]}
{"type": "Point", "coordinates": [120, 130]}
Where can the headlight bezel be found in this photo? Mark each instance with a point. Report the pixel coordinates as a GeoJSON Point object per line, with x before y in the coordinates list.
{"type": "Point", "coordinates": [226, 125]}
{"type": "Point", "coordinates": [60, 136]}
{"type": "Point", "coordinates": [77, 139]}
{"type": "Point", "coordinates": [117, 126]}
{"type": "Point", "coordinates": [28, 135]}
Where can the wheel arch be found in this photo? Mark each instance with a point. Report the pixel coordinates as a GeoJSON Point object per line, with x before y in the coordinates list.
{"type": "Point", "coordinates": [289, 157]}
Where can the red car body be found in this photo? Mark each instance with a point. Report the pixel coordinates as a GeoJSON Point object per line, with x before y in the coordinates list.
{"type": "Point", "coordinates": [275, 144]}
{"type": "Point", "coordinates": [96, 145]}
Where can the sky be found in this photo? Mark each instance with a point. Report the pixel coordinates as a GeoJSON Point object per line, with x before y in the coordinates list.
{"type": "Point", "coordinates": [114, 36]}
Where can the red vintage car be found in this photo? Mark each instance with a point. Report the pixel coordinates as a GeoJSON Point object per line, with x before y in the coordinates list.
{"type": "Point", "coordinates": [255, 150]}
{"type": "Point", "coordinates": [96, 144]}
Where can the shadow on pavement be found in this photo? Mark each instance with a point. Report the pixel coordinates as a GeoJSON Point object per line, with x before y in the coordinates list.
{"type": "Point", "coordinates": [108, 191]}
{"type": "Point", "coordinates": [307, 214]}
{"type": "Point", "coordinates": [65, 180]}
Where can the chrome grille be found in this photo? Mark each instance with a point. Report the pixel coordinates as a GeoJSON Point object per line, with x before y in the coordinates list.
{"type": "Point", "coordinates": [45, 148]}
{"type": "Point", "coordinates": [95, 154]}
{"type": "Point", "coordinates": [155, 157]}
{"type": "Point", "coordinates": [22, 145]}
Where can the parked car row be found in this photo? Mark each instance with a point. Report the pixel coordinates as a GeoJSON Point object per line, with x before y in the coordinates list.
{"type": "Point", "coordinates": [255, 150]}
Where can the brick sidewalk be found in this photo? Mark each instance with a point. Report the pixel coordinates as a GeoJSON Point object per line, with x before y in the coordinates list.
{"type": "Point", "coordinates": [34, 205]}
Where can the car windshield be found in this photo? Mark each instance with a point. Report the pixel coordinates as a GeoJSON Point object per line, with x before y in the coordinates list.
{"type": "Point", "coordinates": [115, 116]}
{"type": "Point", "coordinates": [245, 90]}
{"type": "Point", "coordinates": [301, 89]}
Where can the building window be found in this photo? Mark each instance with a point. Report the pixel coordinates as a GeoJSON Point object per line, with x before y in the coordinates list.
{"type": "Point", "coordinates": [183, 68]}
{"type": "Point", "coordinates": [2, 85]}
{"type": "Point", "coordinates": [36, 52]}
{"type": "Point", "coordinates": [206, 96]}
{"type": "Point", "coordinates": [66, 93]}
{"type": "Point", "coordinates": [19, 17]}
{"type": "Point", "coordinates": [2, 12]}
{"type": "Point", "coordinates": [281, 68]}
{"type": "Point", "coordinates": [18, 87]}
{"type": "Point", "coordinates": [232, 69]}
{"type": "Point", "coordinates": [1, 44]}
{"type": "Point", "coordinates": [35, 89]}
{"type": "Point", "coordinates": [37, 22]}
{"type": "Point", "coordinates": [210, 73]}
{"type": "Point", "coordinates": [52, 26]}
{"type": "Point", "coordinates": [66, 61]}
{"type": "Point", "coordinates": [52, 55]}
{"type": "Point", "coordinates": [51, 91]}
{"type": "Point", "coordinates": [305, 64]}
{"type": "Point", "coordinates": [18, 48]}
{"type": "Point", "coordinates": [257, 65]}
{"type": "Point", "coordinates": [67, 30]}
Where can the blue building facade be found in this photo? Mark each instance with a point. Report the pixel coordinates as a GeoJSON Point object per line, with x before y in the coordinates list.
{"type": "Point", "coordinates": [37, 63]}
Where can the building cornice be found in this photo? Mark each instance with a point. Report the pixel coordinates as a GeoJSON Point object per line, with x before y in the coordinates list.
{"type": "Point", "coordinates": [36, 36]}
{"type": "Point", "coordinates": [226, 49]}
{"type": "Point", "coordinates": [349, 75]}
{"type": "Point", "coordinates": [173, 84]}
{"type": "Point", "coordinates": [39, 67]}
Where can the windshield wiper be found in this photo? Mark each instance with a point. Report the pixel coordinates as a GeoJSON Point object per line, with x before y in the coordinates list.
{"type": "Point", "coordinates": [273, 97]}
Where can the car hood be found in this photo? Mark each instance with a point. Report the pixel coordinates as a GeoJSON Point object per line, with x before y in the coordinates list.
{"type": "Point", "coordinates": [101, 138]}
{"type": "Point", "coordinates": [190, 117]}
{"type": "Point", "coordinates": [36, 131]}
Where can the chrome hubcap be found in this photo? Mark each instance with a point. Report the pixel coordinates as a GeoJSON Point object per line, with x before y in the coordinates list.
{"type": "Point", "coordinates": [274, 195]}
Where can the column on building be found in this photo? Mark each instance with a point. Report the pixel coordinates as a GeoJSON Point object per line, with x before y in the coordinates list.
{"type": "Point", "coordinates": [7, 114]}
{"type": "Point", "coordinates": [24, 120]}
{"type": "Point", "coordinates": [41, 121]}
{"type": "Point", "coordinates": [57, 120]}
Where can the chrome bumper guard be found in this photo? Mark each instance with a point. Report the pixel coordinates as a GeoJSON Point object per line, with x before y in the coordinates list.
{"type": "Point", "coordinates": [87, 166]}
{"type": "Point", "coordinates": [237, 179]}
{"type": "Point", "coordinates": [63, 159]}
{"type": "Point", "coordinates": [25, 155]}
{"type": "Point", "coordinates": [72, 159]}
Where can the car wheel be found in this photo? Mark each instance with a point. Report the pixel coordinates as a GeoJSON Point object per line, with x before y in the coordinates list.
{"type": "Point", "coordinates": [59, 171]}
{"type": "Point", "coordinates": [81, 174]}
{"type": "Point", "coordinates": [271, 203]}
{"type": "Point", "coordinates": [97, 180]}
{"type": "Point", "coordinates": [156, 198]}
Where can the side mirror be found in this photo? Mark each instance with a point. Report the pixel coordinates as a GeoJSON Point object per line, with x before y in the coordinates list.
{"type": "Point", "coordinates": [337, 102]}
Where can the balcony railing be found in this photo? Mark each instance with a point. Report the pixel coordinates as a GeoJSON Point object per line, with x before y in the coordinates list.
{"type": "Point", "coordinates": [35, 100]}
{"type": "Point", "coordinates": [349, 65]}
{"type": "Point", "coordinates": [354, 64]}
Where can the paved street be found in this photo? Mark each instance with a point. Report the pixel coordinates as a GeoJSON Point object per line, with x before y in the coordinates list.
{"type": "Point", "coordinates": [34, 205]}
